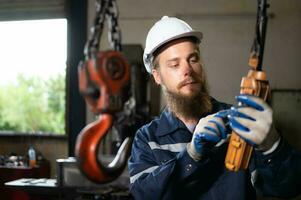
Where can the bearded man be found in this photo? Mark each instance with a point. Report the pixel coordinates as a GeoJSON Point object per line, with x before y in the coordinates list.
{"type": "Point", "coordinates": [180, 155]}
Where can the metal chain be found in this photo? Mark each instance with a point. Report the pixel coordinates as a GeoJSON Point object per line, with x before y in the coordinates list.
{"type": "Point", "coordinates": [114, 30]}
{"type": "Point", "coordinates": [92, 44]}
{"type": "Point", "coordinates": [105, 9]}
{"type": "Point", "coordinates": [257, 49]}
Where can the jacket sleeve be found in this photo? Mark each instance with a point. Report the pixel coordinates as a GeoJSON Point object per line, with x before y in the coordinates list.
{"type": "Point", "coordinates": [279, 173]}
{"type": "Point", "coordinates": [152, 180]}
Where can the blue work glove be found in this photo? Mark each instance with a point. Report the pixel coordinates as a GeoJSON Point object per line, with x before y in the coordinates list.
{"type": "Point", "coordinates": [209, 131]}
{"type": "Point", "coordinates": [252, 121]}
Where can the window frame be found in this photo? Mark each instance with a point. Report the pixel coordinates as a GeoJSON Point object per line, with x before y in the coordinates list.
{"type": "Point", "coordinates": [75, 108]}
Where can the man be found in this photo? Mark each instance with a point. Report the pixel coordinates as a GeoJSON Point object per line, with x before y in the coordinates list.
{"type": "Point", "coordinates": [181, 154]}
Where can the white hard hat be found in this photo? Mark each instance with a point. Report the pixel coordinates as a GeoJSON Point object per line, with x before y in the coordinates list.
{"type": "Point", "coordinates": [163, 31]}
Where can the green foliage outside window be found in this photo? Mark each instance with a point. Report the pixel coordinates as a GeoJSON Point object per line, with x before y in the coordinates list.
{"type": "Point", "coordinates": [33, 105]}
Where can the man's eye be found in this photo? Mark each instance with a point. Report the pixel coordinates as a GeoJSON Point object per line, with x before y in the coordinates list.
{"type": "Point", "coordinates": [173, 65]}
{"type": "Point", "coordinates": [194, 60]}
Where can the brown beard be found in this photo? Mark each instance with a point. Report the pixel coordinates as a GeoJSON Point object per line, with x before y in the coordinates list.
{"type": "Point", "coordinates": [189, 107]}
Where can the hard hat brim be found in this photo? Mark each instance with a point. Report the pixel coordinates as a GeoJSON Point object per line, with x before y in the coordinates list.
{"type": "Point", "coordinates": [197, 34]}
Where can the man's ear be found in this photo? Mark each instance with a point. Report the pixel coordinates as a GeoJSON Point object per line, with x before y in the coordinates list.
{"type": "Point", "coordinates": [156, 76]}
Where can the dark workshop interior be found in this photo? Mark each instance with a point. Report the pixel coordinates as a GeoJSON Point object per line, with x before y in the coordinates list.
{"type": "Point", "coordinates": [74, 91]}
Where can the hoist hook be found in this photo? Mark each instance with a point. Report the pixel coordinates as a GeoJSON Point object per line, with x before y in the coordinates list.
{"type": "Point", "coordinates": [87, 151]}
{"type": "Point", "coordinates": [102, 81]}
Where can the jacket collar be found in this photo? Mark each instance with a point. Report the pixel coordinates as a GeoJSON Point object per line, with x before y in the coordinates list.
{"type": "Point", "coordinates": [168, 123]}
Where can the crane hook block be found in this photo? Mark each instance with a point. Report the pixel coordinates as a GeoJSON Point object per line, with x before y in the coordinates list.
{"type": "Point", "coordinates": [102, 79]}
{"type": "Point", "coordinates": [87, 152]}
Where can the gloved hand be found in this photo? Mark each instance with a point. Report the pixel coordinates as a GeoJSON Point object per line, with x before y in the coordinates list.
{"type": "Point", "coordinates": [209, 131]}
{"type": "Point", "coordinates": [252, 120]}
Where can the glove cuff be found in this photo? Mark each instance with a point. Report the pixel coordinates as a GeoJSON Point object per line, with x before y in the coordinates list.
{"type": "Point", "coordinates": [192, 153]}
{"type": "Point", "coordinates": [273, 148]}
{"type": "Point", "coordinates": [271, 139]}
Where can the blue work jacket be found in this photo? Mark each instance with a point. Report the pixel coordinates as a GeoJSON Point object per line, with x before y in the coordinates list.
{"type": "Point", "coordinates": [160, 167]}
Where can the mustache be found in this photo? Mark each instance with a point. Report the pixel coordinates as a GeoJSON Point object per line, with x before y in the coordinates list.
{"type": "Point", "coordinates": [189, 80]}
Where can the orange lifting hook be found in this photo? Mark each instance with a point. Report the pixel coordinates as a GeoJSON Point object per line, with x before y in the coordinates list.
{"type": "Point", "coordinates": [101, 81]}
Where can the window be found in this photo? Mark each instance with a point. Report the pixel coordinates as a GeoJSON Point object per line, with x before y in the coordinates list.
{"type": "Point", "coordinates": [33, 76]}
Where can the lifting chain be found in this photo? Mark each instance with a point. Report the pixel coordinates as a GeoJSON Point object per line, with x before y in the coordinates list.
{"type": "Point", "coordinates": [257, 50]}
{"type": "Point", "coordinates": [105, 10]}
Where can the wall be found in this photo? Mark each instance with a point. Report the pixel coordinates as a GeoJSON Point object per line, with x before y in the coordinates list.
{"type": "Point", "coordinates": [228, 27]}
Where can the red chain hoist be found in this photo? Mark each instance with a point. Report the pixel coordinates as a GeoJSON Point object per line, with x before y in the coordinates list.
{"type": "Point", "coordinates": [102, 78]}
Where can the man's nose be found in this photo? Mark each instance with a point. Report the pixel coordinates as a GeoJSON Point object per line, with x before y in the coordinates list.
{"type": "Point", "coordinates": [187, 68]}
